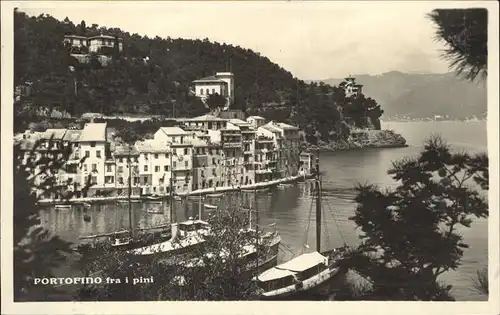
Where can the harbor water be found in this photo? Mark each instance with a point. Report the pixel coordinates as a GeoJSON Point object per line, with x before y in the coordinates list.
{"type": "Point", "coordinates": [292, 208]}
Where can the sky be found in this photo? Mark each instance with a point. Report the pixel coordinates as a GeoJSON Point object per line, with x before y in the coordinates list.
{"type": "Point", "coordinates": [311, 39]}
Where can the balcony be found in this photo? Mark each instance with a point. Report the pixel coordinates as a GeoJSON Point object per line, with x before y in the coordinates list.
{"type": "Point", "coordinates": [231, 145]}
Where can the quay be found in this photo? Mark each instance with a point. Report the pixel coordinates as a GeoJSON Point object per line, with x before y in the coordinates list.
{"type": "Point", "coordinates": [198, 192]}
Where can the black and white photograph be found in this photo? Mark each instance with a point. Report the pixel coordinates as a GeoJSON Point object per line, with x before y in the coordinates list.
{"type": "Point", "coordinates": [249, 151]}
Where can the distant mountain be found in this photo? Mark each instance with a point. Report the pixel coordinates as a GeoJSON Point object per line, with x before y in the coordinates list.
{"type": "Point", "coordinates": [423, 95]}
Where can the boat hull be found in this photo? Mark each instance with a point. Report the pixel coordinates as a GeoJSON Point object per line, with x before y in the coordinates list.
{"type": "Point", "coordinates": [319, 287]}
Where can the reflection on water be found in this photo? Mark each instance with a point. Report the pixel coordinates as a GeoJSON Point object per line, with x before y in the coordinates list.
{"type": "Point", "coordinates": [293, 209]}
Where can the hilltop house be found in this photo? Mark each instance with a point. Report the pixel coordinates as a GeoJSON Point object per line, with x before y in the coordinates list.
{"type": "Point", "coordinates": [221, 83]}
{"type": "Point", "coordinates": [350, 87]}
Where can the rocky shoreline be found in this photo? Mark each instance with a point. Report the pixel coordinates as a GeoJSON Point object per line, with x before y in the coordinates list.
{"type": "Point", "coordinates": [364, 139]}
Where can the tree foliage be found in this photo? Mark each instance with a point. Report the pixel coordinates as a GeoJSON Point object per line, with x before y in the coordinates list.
{"type": "Point", "coordinates": [36, 251]}
{"type": "Point", "coordinates": [215, 101]}
{"type": "Point", "coordinates": [465, 33]}
{"type": "Point", "coordinates": [410, 233]}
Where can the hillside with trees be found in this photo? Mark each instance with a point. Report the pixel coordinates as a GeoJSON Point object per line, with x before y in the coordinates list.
{"type": "Point", "coordinates": [153, 76]}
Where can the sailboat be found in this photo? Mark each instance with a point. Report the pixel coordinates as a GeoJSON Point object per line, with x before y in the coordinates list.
{"type": "Point", "coordinates": [185, 236]}
{"type": "Point", "coordinates": [261, 255]}
{"type": "Point", "coordinates": [309, 274]}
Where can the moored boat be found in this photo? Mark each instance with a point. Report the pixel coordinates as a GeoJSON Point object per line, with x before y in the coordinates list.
{"type": "Point", "coordinates": [310, 274]}
{"type": "Point", "coordinates": [209, 206]}
{"type": "Point", "coordinates": [63, 207]}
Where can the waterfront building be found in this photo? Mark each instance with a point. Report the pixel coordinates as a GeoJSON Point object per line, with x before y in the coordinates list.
{"type": "Point", "coordinates": [290, 147]}
{"type": "Point", "coordinates": [256, 121]}
{"type": "Point", "coordinates": [95, 150]}
{"type": "Point", "coordinates": [208, 151]}
{"type": "Point", "coordinates": [207, 162]}
{"type": "Point", "coordinates": [126, 157]}
{"type": "Point", "coordinates": [272, 155]}
{"type": "Point", "coordinates": [204, 122]}
{"type": "Point", "coordinates": [248, 134]}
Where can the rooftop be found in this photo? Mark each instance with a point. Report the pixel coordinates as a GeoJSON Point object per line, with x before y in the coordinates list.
{"type": "Point", "coordinates": [55, 134]}
{"type": "Point", "coordinates": [211, 78]}
{"type": "Point", "coordinates": [286, 126]}
{"type": "Point", "coordinates": [152, 146]}
{"type": "Point", "coordinates": [239, 122]}
{"type": "Point", "coordinates": [206, 117]}
{"type": "Point", "coordinates": [256, 117]}
{"type": "Point", "coordinates": [174, 131]}
{"type": "Point", "coordinates": [124, 150]}
{"type": "Point", "coordinates": [72, 135]}
{"type": "Point", "coordinates": [94, 132]}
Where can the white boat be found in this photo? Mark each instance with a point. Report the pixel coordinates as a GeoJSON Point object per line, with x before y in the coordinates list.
{"type": "Point", "coordinates": [153, 210]}
{"type": "Point", "coordinates": [186, 236]}
{"type": "Point", "coordinates": [121, 241]}
{"type": "Point", "coordinates": [308, 273]}
{"type": "Point", "coordinates": [63, 207]}
{"type": "Point", "coordinates": [215, 195]}
{"type": "Point", "coordinates": [209, 206]}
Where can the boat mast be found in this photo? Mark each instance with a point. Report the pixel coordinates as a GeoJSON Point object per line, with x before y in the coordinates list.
{"type": "Point", "coordinates": [256, 228]}
{"type": "Point", "coordinates": [318, 205]}
{"type": "Point", "coordinates": [172, 212]}
{"type": "Point", "coordinates": [131, 223]}
{"type": "Point", "coordinates": [199, 208]}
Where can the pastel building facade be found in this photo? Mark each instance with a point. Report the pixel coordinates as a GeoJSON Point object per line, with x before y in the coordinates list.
{"type": "Point", "coordinates": [202, 152]}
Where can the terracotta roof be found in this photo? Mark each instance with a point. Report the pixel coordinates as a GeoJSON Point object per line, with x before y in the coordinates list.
{"type": "Point", "coordinates": [124, 150]}
{"type": "Point", "coordinates": [94, 132]}
{"type": "Point", "coordinates": [206, 117]}
{"type": "Point", "coordinates": [72, 135]}
{"type": "Point", "coordinates": [174, 131]}
{"type": "Point", "coordinates": [256, 117]}
{"type": "Point", "coordinates": [152, 146]}
{"type": "Point", "coordinates": [55, 134]}
{"type": "Point", "coordinates": [211, 78]}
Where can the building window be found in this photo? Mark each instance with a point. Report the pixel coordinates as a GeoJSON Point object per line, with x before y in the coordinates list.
{"type": "Point", "coordinates": [186, 164]}
{"type": "Point", "coordinates": [145, 168]}
{"type": "Point", "coordinates": [201, 91]}
{"type": "Point", "coordinates": [208, 92]}
{"type": "Point", "coordinates": [120, 180]}
{"type": "Point", "coordinates": [174, 164]}
{"type": "Point", "coordinates": [157, 168]}
{"type": "Point", "coordinates": [165, 168]}
{"type": "Point", "coordinates": [120, 169]}
{"type": "Point", "coordinates": [214, 161]}
{"type": "Point", "coordinates": [136, 180]}
{"type": "Point", "coordinates": [156, 155]}
{"type": "Point", "coordinates": [145, 180]}
{"type": "Point", "coordinates": [136, 159]}
{"type": "Point", "coordinates": [185, 151]}
{"type": "Point", "coordinates": [93, 180]}
{"type": "Point", "coordinates": [213, 91]}
{"type": "Point", "coordinates": [94, 167]}
{"type": "Point", "coordinates": [145, 156]}
{"type": "Point", "coordinates": [84, 167]}
{"type": "Point", "coordinates": [87, 154]}
{"type": "Point", "coordinates": [108, 168]}
{"type": "Point", "coordinates": [92, 144]}
{"type": "Point", "coordinates": [109, 179]}
{"type": "Point", "coordinates": [98, 153]}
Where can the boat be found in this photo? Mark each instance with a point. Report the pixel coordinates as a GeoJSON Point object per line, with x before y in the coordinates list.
{"type": "Point", "coordinates": [177, 198]}
{"type": "Point", "coordinates": [155, 210]}
{"type": "Point", "coordinates": [155, 202]}
{"type": "Point", "coordinates": [63, 207]}
{"type": "Point", "coordinates": [209, 206]}
{"type": "Point", "coordinates": [153, 197]}
{"type": "Point", "coordinates": [186, 236]}
{"type": "Point", "coordinates": [309, 274]}
{"type": "Point", "coordinates": [215, 195]}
